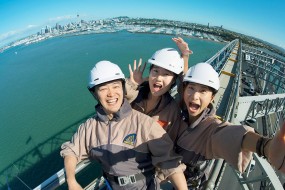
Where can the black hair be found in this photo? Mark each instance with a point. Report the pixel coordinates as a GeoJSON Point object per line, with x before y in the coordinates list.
{"type": "Point", "coordinates": [214, 91]}
{"type": "Point", "coordinates": [174, 78]}
{"type": "Point", "coordinates": [92, 90]}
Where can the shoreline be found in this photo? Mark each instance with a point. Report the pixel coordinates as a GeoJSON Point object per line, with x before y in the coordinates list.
{"type": "Point", "coordinates": [29, 41]}
{"type": "Point", "coordinates": [143, 25]}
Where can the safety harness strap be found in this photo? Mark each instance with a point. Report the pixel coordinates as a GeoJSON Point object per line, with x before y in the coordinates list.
{"type": "Point", "coordinates": [129, 179]}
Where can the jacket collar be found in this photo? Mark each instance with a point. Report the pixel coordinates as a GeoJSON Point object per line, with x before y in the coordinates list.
{"type": "Point", "coordinates": [123, 112]}
{"type": "Point", "coordinates": [209, 111]}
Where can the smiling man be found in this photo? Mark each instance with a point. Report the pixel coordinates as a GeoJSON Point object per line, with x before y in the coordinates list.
{"type": "Point", "coordinates": [128, 144]}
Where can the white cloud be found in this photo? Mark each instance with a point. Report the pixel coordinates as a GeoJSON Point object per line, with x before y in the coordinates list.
{"type": "Point", "coordinates": [61, 18]}
{"type": "Point", "coordinates": [66, 18]}
{"type": "Point", "coordinates": [12, 33]}
{"type": "Point", "coordinates": [32, 26]}
{"type": "Point", "coordinates": [7, 35]}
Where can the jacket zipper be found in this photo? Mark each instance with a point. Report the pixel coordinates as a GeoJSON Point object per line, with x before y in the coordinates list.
{"type": "Point", "coordinates": [110, 131]}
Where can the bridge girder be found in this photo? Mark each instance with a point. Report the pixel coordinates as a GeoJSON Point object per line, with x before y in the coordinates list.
{"type": "Point", "coordinates": [267, 69]}
{"type": "Point", "coordinates": [258, 106]}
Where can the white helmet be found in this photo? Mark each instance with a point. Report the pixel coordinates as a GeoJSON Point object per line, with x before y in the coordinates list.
{"type": "Point", "coordinates": [168, 58]}
{"type": "Point", "coordinates": [203, 73]}
{"type": "Point", "coordinates": [104, 71]}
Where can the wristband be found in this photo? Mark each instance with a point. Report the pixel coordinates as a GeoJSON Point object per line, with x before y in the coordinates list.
{"type": "Point", "coordinates": [260, 146]}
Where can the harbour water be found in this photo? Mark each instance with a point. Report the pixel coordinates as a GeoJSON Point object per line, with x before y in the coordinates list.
{"type": "Point", "coordinates": [43, 92]}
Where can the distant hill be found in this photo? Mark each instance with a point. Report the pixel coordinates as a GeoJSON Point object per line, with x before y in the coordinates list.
{"type": "Point", "coordinates": [273, 46]}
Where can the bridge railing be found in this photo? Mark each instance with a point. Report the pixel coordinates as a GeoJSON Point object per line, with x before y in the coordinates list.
{"type": "Point", "coordinates": [219, 59]}
{"type": "Point", "coordinates": [260, 106]}
{"type": "Point", "coordinates": [59, 177]}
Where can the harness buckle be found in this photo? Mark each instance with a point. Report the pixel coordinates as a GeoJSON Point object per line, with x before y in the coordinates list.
{"type": "Point", "coordinates": [124, 180]}
{"type": "Point", "coordinates": [132, 179]}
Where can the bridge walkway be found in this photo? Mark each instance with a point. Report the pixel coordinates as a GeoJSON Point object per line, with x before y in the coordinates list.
{"type": "Point", "coordinates": [226, 81]}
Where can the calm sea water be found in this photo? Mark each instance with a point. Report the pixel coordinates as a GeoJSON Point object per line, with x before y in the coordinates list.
{"type": "Point", "coordinates": [43, 91]}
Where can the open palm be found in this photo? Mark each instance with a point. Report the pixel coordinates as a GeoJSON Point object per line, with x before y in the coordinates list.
{"type": "Point", "coordinates": [182, 45]}
{"type": "Point", "coordinates": [136, 74]}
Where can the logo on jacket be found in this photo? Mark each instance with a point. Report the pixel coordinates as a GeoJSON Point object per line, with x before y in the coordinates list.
{"type": "Point", "coordinates": [162, 123]}
{"type": "Point", "coordinates": [130, 139]}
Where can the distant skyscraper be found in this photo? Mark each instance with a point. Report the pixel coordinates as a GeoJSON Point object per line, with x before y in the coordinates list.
{"type": "Point", "coordinates": [48, 29]}
{"type": "Point", "coordinates": [57, 26]}
{"type": "Point", "coordinates": [42, 30]}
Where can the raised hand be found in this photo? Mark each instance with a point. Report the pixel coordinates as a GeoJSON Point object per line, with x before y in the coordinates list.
{"type": "Point", "coordinates": [136, 75]}
{"type": "Point", "coordinates": [277, 150]}
{"type": "Point", "coordinates": [183, 46]}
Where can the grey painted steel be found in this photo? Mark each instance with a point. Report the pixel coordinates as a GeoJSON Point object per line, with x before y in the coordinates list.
{"type": "Point", "coordinates": [268, 68]}
{"type": "Point", "coordinates": [252, 107]}
{"type": "Point", "coordinates": [262, 106]}
{"type": "Point", "coordinates": [266, 175]}
{"type": "Point", "coordinates": [217, 168]}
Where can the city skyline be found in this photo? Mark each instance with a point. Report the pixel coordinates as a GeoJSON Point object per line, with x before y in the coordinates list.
{"type": "Point", "coordinates": [260, 19]}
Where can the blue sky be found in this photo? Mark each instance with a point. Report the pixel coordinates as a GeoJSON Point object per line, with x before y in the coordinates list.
{"type": "Point", "coordinates": [261, 19]}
